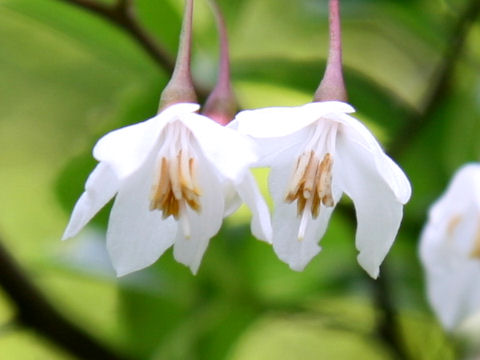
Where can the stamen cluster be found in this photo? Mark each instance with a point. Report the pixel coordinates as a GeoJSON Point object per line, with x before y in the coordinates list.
{"type": "Point", "coordinates": [311, 183]}
{"type": "Point", "coordinates": [176, 186]}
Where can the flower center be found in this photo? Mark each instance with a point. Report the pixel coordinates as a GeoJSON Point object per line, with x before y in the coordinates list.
{"type": "Point", "coordinates": [311, 182]}
{"type": "Point", "coordinates": [175, 186]}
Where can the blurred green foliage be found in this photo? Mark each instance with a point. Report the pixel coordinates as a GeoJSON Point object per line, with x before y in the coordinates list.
{"type": "Point", "coordinates": [68, 77]}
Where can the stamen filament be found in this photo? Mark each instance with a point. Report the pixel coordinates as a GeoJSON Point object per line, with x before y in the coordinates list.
{"type": "Point", "coordinates": [304, 220]}
{"type": "Point", "coordinates": [311, 184]}
{"type": "Point", "coordinates": [298, 174]}
{"type": "Point", "coordinates": [174, 172]}
{"type": "Point", "coordinates": [324, 185]}
{"type": "Point", "coordinates": [310, 176]}
{"type": "Point", "coordinates": [175, 185]}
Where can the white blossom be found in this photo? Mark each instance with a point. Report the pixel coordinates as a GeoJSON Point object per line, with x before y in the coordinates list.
{"type": "Point", "coordinates": [175, 177]}
{"type": "Point", "coordinates": [317, 152]}
{"type": "Point", "coordinates": [450, 249]}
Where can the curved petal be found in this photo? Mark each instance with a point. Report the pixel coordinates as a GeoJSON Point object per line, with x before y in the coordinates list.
{"type": "Point", "coordinates": [282, 121]}
{"type": "Point", "coordinates": [378, 210]}
{"type": "Point", "coordinates": [296, 253]}
{"type": "Point", "coordinates": [232, 199]}
{"type": "Point", "coordinates": [261, 226]}
{"type": "Point", "coordinates": [271, 122]}
{"type": "Point", "coordinates": [464, 189]}
{"type": "Point", "coordinates": [230, 151]}
{"type": "Point", "coordinates": [273, 151]}
{"type": "Point", "coordinates": [325, 108]}
{"type": "Point", "coordinates": [136, 236]}
{"type": "Point", "coordinates": [453, 281]}
{"type": "Point", "coordinates": [127, 148]}
{"type": "Point", "coordinates": [193, 237]}
{"type": "Point", "coordinates": [448, 242]}
{"type": "Point", "coordinates": [455, 295]}
{"type": "Point", "coordinates": [102, 184]}
{"type": "Point", "coordinates": [355, 131]}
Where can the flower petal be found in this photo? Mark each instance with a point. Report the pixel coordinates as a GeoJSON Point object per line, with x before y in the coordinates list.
{"type": "Point", "coordinates": [378, 210]}
{"type": "Point", "coordinates": [281, 121]}
{"type": "Point", "coordinates": [230, 151]}
{"type": "Point", "coordinates": [446, 246]}
{"type": "Point", "coordinates": [231, 197]}
{"type": "Point", "coordinates": [274, 151]}
{"type": "Point", "coordinates": [453, 281]}
{"type": "Point", "coordinates": [297, 253]}
{"type": "Point", "coordinates": [127, 148]}
{"type": "Point", "coordinates": [101, 186]}
{"type": "Point", "coordinates": [136, 236]}
{"type": "Point", "coordinates": [356, 132]}
{"type": "Point", "coordinates": [190, 245]}
{"type": "Point", "coordinates": [455, 295]}
{"type": "Point", "coordinates": [261, 226]}
{"type": "Point", "coordinates": [464, 189]}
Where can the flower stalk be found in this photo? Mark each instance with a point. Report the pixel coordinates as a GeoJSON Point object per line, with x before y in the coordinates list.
{"type": "Point", "coordinates": [221, 104]}
{"type": "Point", "coordinates": [332, 86]}
{"type": "Point", "coordinates": [180, 87]}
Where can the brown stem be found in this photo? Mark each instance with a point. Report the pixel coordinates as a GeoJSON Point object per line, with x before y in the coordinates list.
{"type": "Point", "coordinates": [387, 326]}
{"type": "Point", "coordinates": [34, 311]}
{"type": "Point", "coordinates": [121, 15]}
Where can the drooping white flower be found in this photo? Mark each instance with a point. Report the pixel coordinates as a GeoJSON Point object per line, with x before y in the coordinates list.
{"type": "Point", "coordinates": [175, 177]}
{"type": "Point", "coordinates": [450, 249]}
{"type": "Point", "coordinates": [317, 151]}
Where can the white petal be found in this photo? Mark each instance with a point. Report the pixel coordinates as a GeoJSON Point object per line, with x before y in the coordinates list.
{"type": "Point", "coordinates": [297, 253]}
{"type": "Point", "coordinates": [463, 189]}
{"type": "Point", "coordinates": [101, 186]}
{"type": "Point", "coordinates": [231, 197]}
{"type": "Point", "coordinates": [378, 210]}
{"type": "Point", "coordinates": [286, 224]}
{"type": "Point", "coordinates": [127, 148]}
{"type": "Point", "coordinates": [202, 226]}
{"type": "Point", "coordinates": [451, 293]}
{"type": "Point", "coordinates": [453, 277]}
{"type": "Point", "coordinates": [136, 236]}
{"type": "Point", "coordinates": [261, 226]}
{"type": "Point", "coordinates": [281, 121]}
{"type": "Point", "coordinates": [274, 151]}
{"type": "Point", "coordinates": [229, 151]}
{"type": "Point", "coordinates": [447, 241]}
{"type": "Point", "coordinates": [355, 131]}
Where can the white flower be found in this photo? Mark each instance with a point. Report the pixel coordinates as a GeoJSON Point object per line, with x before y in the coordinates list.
{"type": "Point", "coordinates": [317, 152]}
{"type": "Point", "coordinates": [450, 249]}
{"type": "Point", "coordinates": [175, 177]}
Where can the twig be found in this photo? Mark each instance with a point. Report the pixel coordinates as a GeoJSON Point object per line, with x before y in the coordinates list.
{"type": "Point", "coordinates": [34, 311]}
{"type": "Point", "coordinates": [441, 81]}
{"type": "Point", "coordinates": [121, 15]}
{"type": "Point", "coordinates": [388, 327]}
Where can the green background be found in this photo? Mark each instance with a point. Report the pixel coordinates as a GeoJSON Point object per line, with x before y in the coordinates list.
{"type": "Point", "coordinates": [67, 77]}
